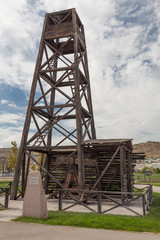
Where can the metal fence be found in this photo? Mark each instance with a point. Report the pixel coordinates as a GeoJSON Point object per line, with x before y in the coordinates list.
{"type": "Point", "coordinates": [81, 197]}
{"type": "Point", "coordinates": [7, 174]}
{"type": "Point", "coordinates": [147, 178]}
{"type": "Point", "coordinates": [6, 190]}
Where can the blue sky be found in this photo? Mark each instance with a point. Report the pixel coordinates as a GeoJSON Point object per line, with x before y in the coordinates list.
{"type": "Point", "coordinates": [123, 43]}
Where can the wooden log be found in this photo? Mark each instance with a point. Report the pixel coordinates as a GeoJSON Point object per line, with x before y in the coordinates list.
{"type": "Point", "coordinates": [107, 166]}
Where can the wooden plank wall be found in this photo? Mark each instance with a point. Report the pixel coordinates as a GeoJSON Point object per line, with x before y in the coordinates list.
{"type": "Point", "coordinates": [118, 177]}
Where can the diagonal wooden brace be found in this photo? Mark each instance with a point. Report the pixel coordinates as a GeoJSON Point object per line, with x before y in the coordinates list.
{"type": "Point", "coordinates": [105, 169]}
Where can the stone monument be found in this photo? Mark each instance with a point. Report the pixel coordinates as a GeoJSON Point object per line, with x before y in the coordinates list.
{"type": "Point", "coordinates": [35, 204]}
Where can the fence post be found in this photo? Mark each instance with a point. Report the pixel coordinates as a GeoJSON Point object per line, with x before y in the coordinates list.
{"type": "Point", "coordinates": [143, 204]}
{"type": "Point", "coordinates": [60, 200]}
{"type": "Point", "coordinates": [6, 197]}
{"type": "Point", "coordinates": [99, 203]}
{"type": "Point", "coordinates": [148, 197]}
{"type": "Point", "coordinates": [10, 187]}
{"type": "Point", "coordinates": [151, 193]}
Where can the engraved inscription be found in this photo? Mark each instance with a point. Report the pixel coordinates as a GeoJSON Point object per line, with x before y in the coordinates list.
{"type": "Point", "coordinates": [33, 180]}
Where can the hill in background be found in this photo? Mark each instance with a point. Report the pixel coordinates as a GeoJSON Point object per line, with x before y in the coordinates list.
{"type": "Point", "coordinates": [151, 149]}
{"type": "Point", "coordinates": [4, 152]}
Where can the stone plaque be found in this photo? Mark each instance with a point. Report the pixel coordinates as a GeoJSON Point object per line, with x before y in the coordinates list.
{"type": "Point", "coordinates": [33, 180]}
{"type": "Point", "coordinates": [35, 204]}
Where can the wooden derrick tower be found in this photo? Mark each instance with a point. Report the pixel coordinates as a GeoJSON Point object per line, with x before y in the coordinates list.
{"type": "Point", "coordinates": [59, 115]}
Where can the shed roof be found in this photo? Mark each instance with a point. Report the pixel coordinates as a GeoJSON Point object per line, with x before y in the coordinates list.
{"type": "Point", "coordinates": [106, 141]}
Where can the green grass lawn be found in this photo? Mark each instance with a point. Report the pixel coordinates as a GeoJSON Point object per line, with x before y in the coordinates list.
{"type": "Point", "coordinates": [151, 175]}
{"type": "Point", "coordinates": [148, 223]}
{"type": "Point", "coordinates": [153, 179]}
{"type": "Point", "coordinates": [4, 183]}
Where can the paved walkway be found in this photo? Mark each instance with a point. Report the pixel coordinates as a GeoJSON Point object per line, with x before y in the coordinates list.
{"type": "Point", "coordinates": [156, 189]}
{"type": "Point", "coordinates": [30, 231]}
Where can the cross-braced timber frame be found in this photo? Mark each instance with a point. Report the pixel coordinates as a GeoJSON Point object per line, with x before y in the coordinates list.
{"type": "Point", "coordinates": [59, 114]}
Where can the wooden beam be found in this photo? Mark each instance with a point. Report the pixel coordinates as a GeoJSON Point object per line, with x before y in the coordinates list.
{"type": "Point", "coordinates": [39, 99]}
{"type": "Point", "coordinates": [59, 31]}
{"type": "Point", "coordinates": [81, 171]}
{"type": "Point", "coordinates": [45, 127]}
{"type": "Point", "coordinates": [43, 94]}
{"type": "Point", "coordinates": [57, 69]}
{"type": "Point", "coordinates": [50, 175]}
{"type": "Point", "coordinates": [64, 160]}
{"type": "Point", "coordinates": [53, 106]}
{"type": "Point", "coordinates": [123, 171]}
{"type": "Point", "coordinates": [71, 133]}
{"type": "Point", "coordinates": [54, 48]}
{"type": "Point", "coordinates": [64, 134]}
{"type": "Point", "coordinates": [105, 169]}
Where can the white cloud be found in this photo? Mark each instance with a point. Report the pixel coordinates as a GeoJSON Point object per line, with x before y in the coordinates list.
{"type": "Point", "coordinates": [12, 135]}
{"type": "Point", "coordinates": [12, 105]}
{"type": "Point", "coordinates": [4, 101]}
{"type": "Point", "coordinates": [20, 33]}
{"type": "Point", "coordinates": [12, 118]}
{"type": "Point", "coordinates": [123, 42]}
{"type": "Point", "coordinates": [13, 131]}
{"type": "Point", "coordinates": [8, 103]}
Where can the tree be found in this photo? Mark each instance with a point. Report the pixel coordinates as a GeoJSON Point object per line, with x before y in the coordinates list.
{"type": "Point", "coordinates": [157, 170]}
{"type": "Point", "coordinates": [34, 166]}
{"type": "Point", "coordinates": [13, 154]}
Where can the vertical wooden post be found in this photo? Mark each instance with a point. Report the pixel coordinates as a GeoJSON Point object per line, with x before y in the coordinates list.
{"type": "Point", "coordinates": [6, 198]}
{"type": "Point", "coordinates": [143, 204]}
{"type": "Point", "coordinates": [60, 200]}
{"type": "Point", "coordinates": [93, 131]}
{"type": "Point", "coordinates": [81, 173]}
{"type": "Point", "coordinates": [10, 187]}
{"type": "Point", "coordinates": [46, 177]}
{"type": "Point", "coordinates": [123, 171]}
{"type": "Point", "coordinates": [97, 171]}
{"type": "Point", "coordinates": [23, 175]}
{"type": "Point", "coordinates": [99, 202]}
{"type": "Point", "coordinates": [130, 177]}
{"type": "Point", "coordinates": [27, 171]}
{"type": "Point", "coordinates": [42, 160]}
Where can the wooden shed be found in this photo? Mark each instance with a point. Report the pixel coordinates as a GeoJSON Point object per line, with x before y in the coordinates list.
{"type": "Point", "coordinates": [107, 162]}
